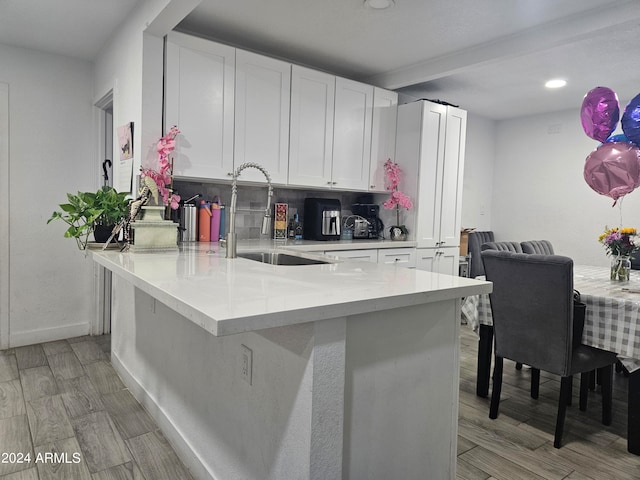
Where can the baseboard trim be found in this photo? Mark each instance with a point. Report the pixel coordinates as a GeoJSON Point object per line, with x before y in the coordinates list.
{"type": "Point", "coordinates": [41, 335]}
{"type": "Point", "coordinates": [171, 432]}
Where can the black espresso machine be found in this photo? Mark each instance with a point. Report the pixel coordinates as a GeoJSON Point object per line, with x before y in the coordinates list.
{"type": "Point", "coordinates": [369, 225]}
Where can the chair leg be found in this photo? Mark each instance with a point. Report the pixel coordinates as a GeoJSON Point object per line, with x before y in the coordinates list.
{"type": "Point", "coordinates": [485, 344]}
{"type": "Point", "coordinates": [592, 380]}
{"type": "Point", "coordinates": [570, 394]}
{"type": "Point", "coordinates": [585, 378]}
{"type": "Point", "coordinates": [535, 382]}
{"type": "Point", "coordinates": [606, 375]}
{"type": "Point", "coordinates": [497, 387]}
{"type": "Point", "coordinates": [565, 383]}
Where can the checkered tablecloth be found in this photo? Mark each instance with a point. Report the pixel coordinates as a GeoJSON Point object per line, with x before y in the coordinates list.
{"type": "Point", "coordinates": [612, 321]}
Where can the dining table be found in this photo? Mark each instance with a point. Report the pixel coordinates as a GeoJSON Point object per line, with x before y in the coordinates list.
{"type": "Point", "coordinates": [612, 322]}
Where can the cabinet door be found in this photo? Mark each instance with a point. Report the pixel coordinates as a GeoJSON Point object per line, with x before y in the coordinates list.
{"type": "Point", "coordinates": [383, 135]}
{"type": "Point", "coordinates": [432, 137]}
{"type": "Point", "coordinates": [438, 260]}
{"type": "Point", "coordinates": [452, 173]}
{"type": "Point", "coordinates": [352, 135]}
{"type": "Point", "coordinates": [263, 91]}
{"type": "Point", "coordinates": [311, 132]}
{"type": "Point", "coordinates": [370, 255]}
{"type": "Point", "coordinates": [402, 257]}
{"type": "Point", "coordinates": [199, 99]}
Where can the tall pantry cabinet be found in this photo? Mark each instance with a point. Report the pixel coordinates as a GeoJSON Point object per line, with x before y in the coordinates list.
{"type": "Point", "coordinates": [430, 149]}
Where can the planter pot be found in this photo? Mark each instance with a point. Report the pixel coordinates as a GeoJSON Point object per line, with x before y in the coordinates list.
{"type": "Point", "coordinates": [398, 232]}
{"type": "Point", "coordinates": [101, 233]}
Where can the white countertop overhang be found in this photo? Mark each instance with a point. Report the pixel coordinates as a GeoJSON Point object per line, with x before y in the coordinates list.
{"type": "Point", "coordinates": [228, 296]}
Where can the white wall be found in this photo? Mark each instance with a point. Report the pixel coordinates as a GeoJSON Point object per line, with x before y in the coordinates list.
{"type": "Point", "coordinates": [539, 191]}
{"type": "Point", "coordinates": [478, 173]}
{"type": "Point", "coordinates": [51, 152]}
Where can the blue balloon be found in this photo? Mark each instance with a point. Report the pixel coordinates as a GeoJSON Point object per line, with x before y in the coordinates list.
{"type": "Point", "coordinates": [631, 120]}
{"type": "Point", "coordinates": [617, 138]}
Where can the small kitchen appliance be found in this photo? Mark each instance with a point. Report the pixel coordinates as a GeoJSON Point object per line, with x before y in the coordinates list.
{"type": "Point", "coordinates": [321, 219]}
{"type": "Point", "coordinates": [369, 225]}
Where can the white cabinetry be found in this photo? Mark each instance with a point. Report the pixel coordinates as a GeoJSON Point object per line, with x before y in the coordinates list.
{"type": "Point", "coordinates": [263, 89]}
{"type": "Point", "coordinates": [438, 260]}
{"type": "Point", "coordinates": [311, 132]}
{"type": "Point", "coordinates": [199, 98]}
{"type": "Point", "coordinates": [402, 257]}
{"type": "Point", "coordinates": [430, 149]}
{"type": "Point", "coordinates": [383, 136]}
{"type": "Point", "coordinates": [370, 255]}
{"type": "Point", "coordinates": [352, 135]}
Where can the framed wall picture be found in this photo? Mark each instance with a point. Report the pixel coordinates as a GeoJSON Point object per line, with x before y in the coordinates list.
{"type": "Point", "coordinates": [125, 141]}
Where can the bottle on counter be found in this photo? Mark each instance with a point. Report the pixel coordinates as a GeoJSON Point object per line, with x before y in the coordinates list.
{"type": "Point", "coordinates": [215, 220]}
{"type": "Point", "coordinates": [204, 221]}
{"type": "Point", "coordinates": [297, 227]}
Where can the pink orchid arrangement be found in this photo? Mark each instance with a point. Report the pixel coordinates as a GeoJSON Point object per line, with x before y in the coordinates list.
{"type": "Point", "coordinates": [164, 176]}
{"type": "Point", "coordinates": [397, 198]}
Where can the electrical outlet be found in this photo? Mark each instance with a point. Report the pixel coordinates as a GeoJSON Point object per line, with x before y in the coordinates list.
{"type": "Point", "coordinates": [247, 364]}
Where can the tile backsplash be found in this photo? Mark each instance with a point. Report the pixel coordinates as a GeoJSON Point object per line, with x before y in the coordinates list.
{"type": "Point", "coordinates": [252, 200]}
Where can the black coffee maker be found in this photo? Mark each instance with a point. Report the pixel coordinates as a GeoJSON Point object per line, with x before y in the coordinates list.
{"type": "Point", "coordinates": [370, 226]}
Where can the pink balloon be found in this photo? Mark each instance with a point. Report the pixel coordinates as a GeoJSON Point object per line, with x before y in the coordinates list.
{"type": "Point", "coordinates": [600, 113]}
{"type": "Point", "coordinates": [613, 169]}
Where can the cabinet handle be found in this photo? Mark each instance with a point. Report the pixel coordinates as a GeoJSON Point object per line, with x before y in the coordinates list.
{"type": "Point", "coordinates": [329, 183]}
{"type": "Point", "coordinates": [334, 183]}
{"type": "Point", "coordinates": [442, 243]}
{"type": "Point", "coordinates": [372, 186]}
{"type": "Point", "coordinates": [437, 244]}
{"type": "Point", "coordinates": [229, 174]}
{"type": "Point", "coordinates": [397, 260]}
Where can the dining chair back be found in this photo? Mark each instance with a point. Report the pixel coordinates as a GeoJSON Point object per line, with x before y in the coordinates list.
{"type": "Point", "coordinates": [540, 247]}
{"type": "Point", "coordinates": [476, 239]}
{"type": "Point", "coordinates": [532, 308]}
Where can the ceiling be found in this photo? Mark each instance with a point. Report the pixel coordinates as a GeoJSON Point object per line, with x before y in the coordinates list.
{"type": "Point", "coordinates": [491, 57]}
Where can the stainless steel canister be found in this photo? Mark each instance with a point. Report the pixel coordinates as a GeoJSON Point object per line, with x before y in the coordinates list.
{"type": "Point", "coordinates": [188, 223]}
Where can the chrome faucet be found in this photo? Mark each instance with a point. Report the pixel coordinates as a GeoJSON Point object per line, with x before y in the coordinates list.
{"type": "Point", "coordinates": [266, 220]}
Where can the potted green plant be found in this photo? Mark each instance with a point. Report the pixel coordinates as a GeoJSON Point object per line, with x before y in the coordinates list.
{"type": "Point", "coordinates": [89, 212]}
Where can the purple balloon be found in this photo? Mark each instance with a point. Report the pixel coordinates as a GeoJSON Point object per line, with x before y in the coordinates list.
{"type": "Point", "coordinates": [631, 120]}
{"type": "Point", "coordinates": [613, 169]}
{"type": "Point", "coordinates": [600, 113]}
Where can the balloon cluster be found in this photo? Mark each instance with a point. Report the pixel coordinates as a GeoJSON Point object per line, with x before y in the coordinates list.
{"type": "Point", "coordinates": [612, 169]}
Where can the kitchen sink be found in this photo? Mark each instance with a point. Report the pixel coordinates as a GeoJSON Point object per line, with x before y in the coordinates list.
{"type": "Point", "coordinates": [277, 258]}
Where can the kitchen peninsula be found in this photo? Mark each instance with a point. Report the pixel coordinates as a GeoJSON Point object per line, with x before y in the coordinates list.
{"type": "Point", "coordinates": [256, 371]}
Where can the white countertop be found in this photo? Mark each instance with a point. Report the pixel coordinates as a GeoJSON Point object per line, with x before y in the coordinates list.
{"type": "Point", "coordinates": [227, 296]}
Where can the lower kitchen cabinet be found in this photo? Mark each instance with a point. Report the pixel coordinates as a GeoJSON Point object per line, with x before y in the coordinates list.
{"type": "Point", "coordinates": [438, 260]}
{"type": "Point", "coordinates": [402, 257]}
{"type": "Point", "coordinates": [370, 255]}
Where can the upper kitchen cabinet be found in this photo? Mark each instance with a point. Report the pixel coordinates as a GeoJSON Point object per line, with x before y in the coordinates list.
{"type": "Point", "coordinates": [383, 135]}
{"type": "Point", "coordinates": [199, 99]}
{"type": "Point", "coordinates": [430, 149]}
{"type": "Point", "coordinates": [263, 90]}
{"type": "Point", "coordinates": [311, 133]}
{"type": "Point", "coordinates": [352, 135]}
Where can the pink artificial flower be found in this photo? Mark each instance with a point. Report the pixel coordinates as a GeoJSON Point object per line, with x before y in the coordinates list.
{"type": "Point", "coordinates": [163, 177]}
{"type": "Point", "coordinates": [397, 198]}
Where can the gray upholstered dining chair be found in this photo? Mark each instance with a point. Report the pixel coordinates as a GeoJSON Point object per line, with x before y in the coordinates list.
{"type": "Point", "coordinates": [476, 239]}
{"type": "Point", "coordinates": [532, 306]}
{"type": "Point", "coordinates": [502, 246]}
{"type": "Point", "coordinates": [541, 247]}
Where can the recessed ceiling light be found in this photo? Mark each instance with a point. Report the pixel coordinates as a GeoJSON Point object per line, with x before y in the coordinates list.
{"type": "Point", "coordinates": [556, 83]}
{"type": "Point", "coordinates": [379, 4]}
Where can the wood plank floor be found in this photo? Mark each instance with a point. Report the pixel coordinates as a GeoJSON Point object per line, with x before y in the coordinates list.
{"type": "Point", "coordinates": [65, 398]}
{"type": "Point", "coordinates": [63, 404]}
{"type": "Point", "coordinates": [519, 443]}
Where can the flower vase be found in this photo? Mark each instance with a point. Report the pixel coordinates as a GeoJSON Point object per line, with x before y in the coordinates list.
{"type": "Point", "coordinates": [620, 268]}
